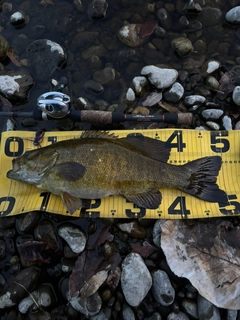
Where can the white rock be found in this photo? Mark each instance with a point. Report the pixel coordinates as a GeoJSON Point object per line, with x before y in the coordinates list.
{"type": "Point", "coordinates": [139, 83]}
{"type": "Point", "coordinates": [227, 122]}
{"type": "Point", "coordinates": [175, 93]}
{"type": "Point", "coordinates": [136, 279]}
{"type": "Point", "coordinates": [233, 15]}
{"type": "Point", "coordinates": [130, 95]}
{"type": "Point", "coordinates": [194, 99]}
{"type": "Point", "coordinates": [74, 236]}
{"type": "Point", "coordinates": [161, 78]}
{"type": "Point", "coordinates": [236, 95]}
{"type": "Point", "coordinates": [212, 113]}
{"type": "Point", "coordinates": [213, 125]}
{"type": "Point", "coordinates": [162, 288]}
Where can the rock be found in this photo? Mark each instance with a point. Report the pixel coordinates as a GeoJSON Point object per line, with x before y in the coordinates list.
{"type": "Point", "coordinates": [3, 47]}
{"type": "Point", "coordinates": [209, 264]}
{"type": "Point", "coordinates": [213, 125]}
{"type": "Point", "coordinates": [161, 78]}
{"type": "Point", "coordinates": [175, 93]}
{"type": "Point", "coordinates": [18, 18]}
{"type": "Point", "coordinates": [89, 307]}
{"type": "Point", "coordinates": [164, 18]}
{"type": "Point", "coordinates": [97, 9]}
{"type": "Point", "coordinates": [206, 310]}
{"type": "Point", "coordinates": [18, 287]}
{"type": "Point", "coordinates": [237, 126]}
{"type": "Point", "coordinates": [136, 280]}
{"type": "Point", "coordinates": [127, 313]}
{"type": "Point", "coordinates": [183, 46]}
{"type": "Point", "coordinates": [93, 86]}
{"type": "Point", "coordinates": [130, 96]}
{"type": "Point", "coordinates": [98, 51]}
{"type": "Point", "coordinates": [162, 289]}
{"type": "Point", "coordinates": [210, 67]}
{"type": "Point", "coordinates": [192, 8]}
{"type": "Point", "coordinates": [236, 95]}
{"type": "Point", "coordinates": [74, 236]}
{"type": "Point", "coordinates": [194, 99]}
{"type": "Point", "coordinates": [227, 122]}
{"type": "Point", "coordinates": [133, 229]}
{"type": "Point", "coordinates": [15, 85]}
{"type": "Point", "coordinates": [129, 35]}
{"type": "Point", "coordinates": [106, 76]}
{"type": "Point", "coordinates": [210, 16]}
{"type": "Point", "coordinates": [190, 308]}
{"type": "Point", "coordinates": [28, 221]}
{"type": "Point", "coordinates": [232, 314]}
{"type": "Point", "coordinates": [212, 113]}
{"type": "Point", "coordinates": [139, 85]}
{"type": "Point", "coordinates": [177, 316]}
{"type": "Point", "coordinates": [157, 230]}
{"type": "Point", "coordinates": [45, 58]}
{"type": "Point", "coordinates": [233, 16]}
{"type": "Point", "coordinates": [212, 82]}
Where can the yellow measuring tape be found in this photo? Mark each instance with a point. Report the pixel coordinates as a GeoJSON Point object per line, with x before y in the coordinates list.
{"type": "Point", "coordinates": [186, 145]}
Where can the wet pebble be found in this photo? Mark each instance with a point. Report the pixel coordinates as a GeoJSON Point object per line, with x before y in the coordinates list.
{"type": "Point", "coordinates": [28, 221]}
{"type": "Point", "coordinates": [98, 51]}
{"type": "Point", "coordinates": [161, 78]}
{"type": "Point", "coordinates": [183, 46]}
{"type": "Point", "coordinates": [18, 18]}
{"type": "Point", "coordinates": [194, 100]}
{"type": "Point", "coordinates": [177, 316]}
{"type": "Point", "coordinates": [139, 85]}
{"type": "Point", "coordinates": [106, 76]}
{"type": "Point", "coordinates": [175, 93]}
{"type": "Point", "coordinates": [190, 308]}
{"type": "Point", "coordinates": [74, 236]}
{"type": "Point", "coordinates": [236, 95]}
{"type": "Point", "coordinates": [89, 307]}
{"type": "Point", "coordinates": [130, 96]}
{"type": "Point", "coordinates": [93, 86]}
{"type": "Point", "coordinates": [213, 125]}
{"type": "Point", "coordinates": [133, 229]}
{"type": "Point", "coordinates": [233, 16]}
{"type": "Point", "coordinates": [210, 67]}
{"type": "Point", "coordinates": [162, 289]}
{"type": "Point", "coordinates": [136, 279]}
{"type": "Point", "coordinates": [227, 122]}
{"type": "Point", "coordinates": [206, 310]}
{"type": "Point", "coordinates": [127, 312]}
{"type": "Point", "coordinates": [97, 9]}
{"type": "Point", "coordinates": [212, 113]}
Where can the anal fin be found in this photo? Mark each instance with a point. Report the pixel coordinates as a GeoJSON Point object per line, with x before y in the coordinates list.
{"type": "Point", "coordinates": [149, 200]}
{"type": "Point", "coordinates": [70, 202]}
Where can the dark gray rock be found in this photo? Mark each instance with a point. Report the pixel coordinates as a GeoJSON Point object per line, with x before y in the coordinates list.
{"type": "Point", "coordinates": [45, 57]}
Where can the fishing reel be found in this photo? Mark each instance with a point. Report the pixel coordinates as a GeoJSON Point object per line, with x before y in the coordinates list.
{"type": "Point", "coordinates": [54, 104]}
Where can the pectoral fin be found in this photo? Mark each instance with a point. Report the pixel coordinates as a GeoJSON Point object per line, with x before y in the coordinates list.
{"type": "Point", "coordinates": [150, 200]}
{"type": "Point", "coordinates": [69, 171]}
{"type": "Point", "coordinates": [70, 202]}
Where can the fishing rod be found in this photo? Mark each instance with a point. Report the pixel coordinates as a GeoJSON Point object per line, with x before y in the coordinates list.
{"type": "Point", "coordinates": [55, 105]}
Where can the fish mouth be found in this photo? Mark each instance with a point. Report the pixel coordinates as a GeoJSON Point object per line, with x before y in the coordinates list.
{"type": "Point", "coordinates": [12, 174]}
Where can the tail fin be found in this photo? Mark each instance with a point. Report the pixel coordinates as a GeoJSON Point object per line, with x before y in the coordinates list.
{"type": "Point", "coordinates": [202, 179]}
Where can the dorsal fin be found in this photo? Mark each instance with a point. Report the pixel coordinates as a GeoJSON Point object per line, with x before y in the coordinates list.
{"type": "Point", "coordinates": [98, 134]}
{"type": "Point", "coordinates": [156, 149]}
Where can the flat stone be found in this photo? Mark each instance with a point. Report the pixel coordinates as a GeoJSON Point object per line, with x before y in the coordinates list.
{"type": "Point", "coordinates": [136, 279]}
{"type": "Point", "coordinates": [74, 236]}
{"type": "Point", "coordinates": [233, 16]}
{"type": "Point", "coordinates": [162, 288]}
{"type": "Point", "coordinates": [161, 78]}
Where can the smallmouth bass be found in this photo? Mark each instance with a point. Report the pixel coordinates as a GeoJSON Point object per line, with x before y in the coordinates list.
{"type": "Point", "coordinates": [99, 165]}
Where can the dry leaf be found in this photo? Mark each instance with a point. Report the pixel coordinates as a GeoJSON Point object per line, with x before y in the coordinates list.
{"type": "Point", "coordinates": [168, 107]}
{"type": "Point", "coordinates": [150, 99]}
{"type": "Point", "coordinates": [94, 283]}
{"type": "Point", "coordinates": [208, 254]}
